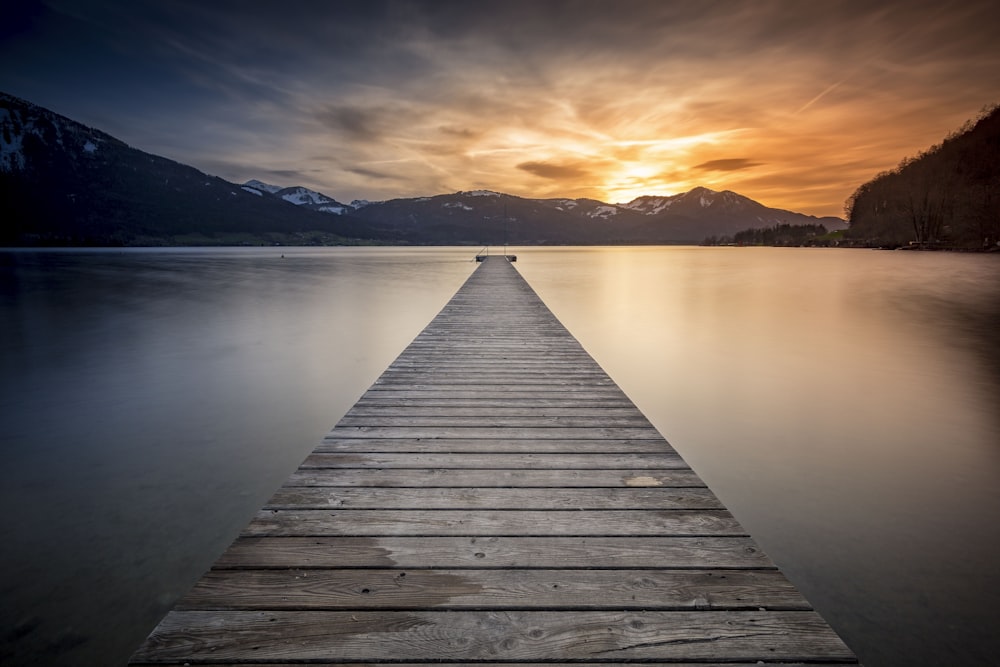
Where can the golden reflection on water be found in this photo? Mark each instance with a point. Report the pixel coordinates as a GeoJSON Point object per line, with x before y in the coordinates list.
{"type": "Point", "coordinates": [844, 404]}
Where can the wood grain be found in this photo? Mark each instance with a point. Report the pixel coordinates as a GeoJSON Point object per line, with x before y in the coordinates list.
{"type": "Point", "coordinates": [472, 498]}
{"type": "Point", "coordinates": [492, 522]}
{"type": "Point", "coordinates": [496, 589]}
{"type": "Point", "coordinates": [733, 552]}
{"type": "Point", "coordinates": [492, 636]}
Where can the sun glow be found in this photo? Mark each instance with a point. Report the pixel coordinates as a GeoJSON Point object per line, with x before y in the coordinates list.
{"type": "Point", "coordinates": [658, 166]}
{"type": "Point", "coordinates": [625, 189]}
{"type": "Point", "coordinates": [631, 181]}
{"type": "Point", "coordinates": [678, 143]}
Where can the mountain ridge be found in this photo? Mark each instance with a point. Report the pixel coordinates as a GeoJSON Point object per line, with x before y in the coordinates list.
{"type": "Point", "coordinates": [63, 183]}
{"type": "Point", "coordinates": [684, 217]}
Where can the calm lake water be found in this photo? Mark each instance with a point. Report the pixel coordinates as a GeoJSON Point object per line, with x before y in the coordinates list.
{"type": "Point", "coordinates": [845, 404]}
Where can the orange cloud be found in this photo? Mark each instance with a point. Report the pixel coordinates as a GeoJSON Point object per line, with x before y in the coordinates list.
{"type": "Point", "coordinates": [554, 171]}
{"type": "Point", "coordinates": [727, 164]}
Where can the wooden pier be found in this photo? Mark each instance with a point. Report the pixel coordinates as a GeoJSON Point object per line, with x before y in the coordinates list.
{"type": "Point", "coordinates": [494, 498]}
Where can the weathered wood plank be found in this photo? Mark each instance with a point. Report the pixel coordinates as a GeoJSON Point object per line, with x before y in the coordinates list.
{"type": "Point", "coordinates": [572, 405]}
{"type": "Point", "coordinates": [554, 479]}
{"type": "Point", "coordinates": [519, 374]}
{"type": "Point", "coordinates": [448, 359]}
{"type": "Point", "coordinates": [498, 390]}
{"type": "Point", "coordinates": [494, 379]}
{"type": "Point", "coordinates": [383, 410]}
{"type": "Point", "coordinates": [503, 393]}
{"type": "Point", "coordinates": [492, 636]}
{"type": "Point", "coordinates": [539, 383]}
{"type": "Point", "coordinates": [334, 661]}
{"type": "Point", "coordinates": [496, 432]}
{"type": "Point", "coordinates": [494, 421]}
{"type": "Point", "coordinates": [492, 498]}
{"type": "Point", "coordinates": [496, 589]}
{"type": "Point", "coordinates": [463, 445]}
{"type": "Point", "coordinates": [492, 522]}
{"type": "Point", "coordinates": [495, 552]}
{"type": "Point", "coordinates": [494, 460]}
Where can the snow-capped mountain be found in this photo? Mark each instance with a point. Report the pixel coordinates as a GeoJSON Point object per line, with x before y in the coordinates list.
{"type": "Point", "coordinates": [25, 127]}
{"type": "Point", "coordinates": [62, 183]}
{"type": "Point", "coordinates": [485, 216]}
{"type": "Point", "coordinates": [725, 212]}
{"type": "Point", "coordinates": [481, 216]}
{"type": "Point", "coordinates": [300, 196]}
{"type": "Point", "coordinates": [260, 187]}
{"type": "Point", "coordinates": [699, 197]}
{"type": "Point", "coordinates": [701, 201]}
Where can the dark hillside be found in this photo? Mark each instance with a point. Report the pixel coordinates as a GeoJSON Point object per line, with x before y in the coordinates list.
{"type": "Point", "coordinates": [948, 196]}
{"type": "Point", "coordinates": [62, 183]}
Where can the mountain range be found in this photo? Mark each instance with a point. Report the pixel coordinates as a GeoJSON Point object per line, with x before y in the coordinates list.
{"type": "Point", "coordinates": [62, 183]}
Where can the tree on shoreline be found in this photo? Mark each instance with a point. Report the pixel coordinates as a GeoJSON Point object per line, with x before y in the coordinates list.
{"type": "Point", "coordinates": [948, 196]}
{"type": "Point", "coordinates": [783, 234]}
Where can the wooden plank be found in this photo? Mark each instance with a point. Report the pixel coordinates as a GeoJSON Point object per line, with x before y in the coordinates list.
{"type": "Point", "coordinates": [556, 589]}
{"type": "Point", "coordinates": [450, 410]}
{"type": "Point", "coordinates": [494, 421]}
{"type": "Point", "coordinates": [739, 552]}
{"type": "Point", "coordinates": [448, 360]}
{"type": "Point", "coordinates": [332, 444]}
{"type": "Point", "coordinates": [495, 378]}
{"type": "Point", "coordinates": [491, 460]}
{"type": "Point", "coordinates": [517, 375]}
{"type": "Point", "coordinates": [491, 498]}
{"type": "Point", "coordinates": [492, 522]}
{"type": "Point", "coordinates": [553, 479]}
{"type": "Point", "coordinates": [491, 636]}
{"type": "Point", "coordinates": [334, 661]}
{"type": "Point", "coordinates": [539, 383]}
{"type": "Point", "coordinates": [505, 393]}
{"type": "Point", "coordinates": [509, 403]}
{"type": "Point", "coordinates": [496, 432]}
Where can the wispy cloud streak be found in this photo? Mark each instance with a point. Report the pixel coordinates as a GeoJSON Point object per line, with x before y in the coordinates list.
{"type": "Point", "coordinates": [378, 99]}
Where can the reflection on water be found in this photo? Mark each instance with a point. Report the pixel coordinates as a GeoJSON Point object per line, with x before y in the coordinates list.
{"type": "Point", "coordinates": [842, 403]}
{"type": "Point", "coordinates": [151, 401]}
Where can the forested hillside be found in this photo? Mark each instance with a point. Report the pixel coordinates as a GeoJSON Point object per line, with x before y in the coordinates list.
{"type": "Point", "coordinates": [946, 197]}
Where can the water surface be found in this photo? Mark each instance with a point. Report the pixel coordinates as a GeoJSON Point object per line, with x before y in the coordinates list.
{"type": "Point", "coordinates": [845, 404]}
{"type": "Point", "coordinates": [842, 403]}
{"type": "Point", "coordinates": [152, 400]}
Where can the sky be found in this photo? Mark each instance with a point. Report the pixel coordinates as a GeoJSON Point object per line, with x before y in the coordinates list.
{"type": "Point", "coordinates": [793, 103]}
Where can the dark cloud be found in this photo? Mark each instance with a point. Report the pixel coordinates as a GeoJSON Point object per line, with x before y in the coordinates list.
{"type": "Point", "coordinates": [370, 173]}
{"type": "Point", "coordinates": [290, 174]}
{"type": "Point", "coordinates": [728, 164]}
{"type": "Point", "coordinates": [354, 122]}
{"type": "Point", "coordinates": [459, 132]}
{"type": "Point", "coordinates": [554, 171]}
{"type": "Point", "coordinates": [368, 123]}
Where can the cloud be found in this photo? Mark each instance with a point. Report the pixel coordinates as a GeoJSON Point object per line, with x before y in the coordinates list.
{"type": "Point", "coordinates": [289, 174]}
{"type": "Point", "coordinates": [728, 164]}
{"type": "Point", "coordinates": [554, 171]}
{"type": "Point", "coordinates": [355, 123]}
{"type": "Point", "coordinates": [370, 173]}
{"type": "Point", "coordinates": [463, 133]}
